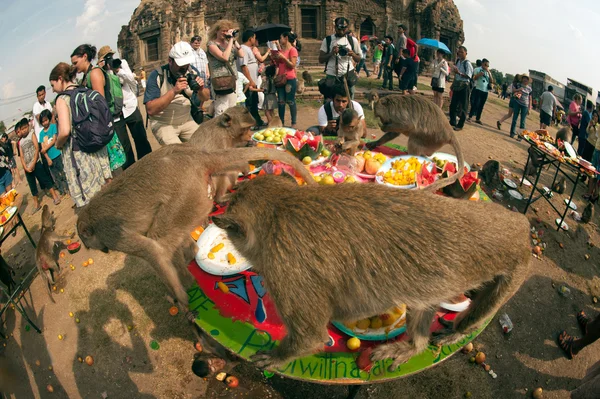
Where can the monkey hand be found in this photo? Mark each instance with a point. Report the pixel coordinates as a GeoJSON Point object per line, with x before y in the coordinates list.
{"type": "Point", "coordinates": [401, 352]}
{"type": "Point", "coordinates": [371, 145]}
{"type": "Point", "coordinates": [263, 359]}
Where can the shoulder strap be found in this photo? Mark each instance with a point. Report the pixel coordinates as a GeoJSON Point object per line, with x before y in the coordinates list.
{"type": "Point", "coordinates": [328, 40]}
{"type": "Point", "coordinates": [161, 75]}
{"type": "Point", "coordinates": [328, 110]}
{"type": "Point", "coordinates": [350, 41]}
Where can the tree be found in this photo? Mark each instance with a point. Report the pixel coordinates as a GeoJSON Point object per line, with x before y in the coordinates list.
{"type": "Point", "coordinates": [2, 127]}
{"type": "Point", "coordinates": [498, 76]}
{"type": "Point", "coordinates": [508, 78]}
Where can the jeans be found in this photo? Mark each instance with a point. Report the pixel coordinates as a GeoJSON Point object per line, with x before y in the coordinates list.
{"type": "Point", "coordinates": [135, 123]}
{"type": "Point", "coordinates": [287, 95]}
{"type": "Point", "coordinates": [252, 105]}
{"type": "Point", "coordinates": [121, 131]}
{"type": "Point", "coordinates": [479, 99]}
{"type": "Point", "coordinates": [57, 169]}
{"type": "Point", "coordinates": [574, 132]}
{"type": "Point", "coordinates": [388, 76]}
{"type": "Point", "coordinates": [458, 107]}
{"type": "Point", "coordinates": [362, 64]}
{"type": "Point", "coordinates": [523, 110]}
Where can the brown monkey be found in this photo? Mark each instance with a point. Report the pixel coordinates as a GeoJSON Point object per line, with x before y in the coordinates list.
{"type": "Point", "coordinates": [347, 279]}
{"type": "Point", "coordinates": [229, 130]}
{"type": "Point", "coordinates": [425, 125]}
{"type": "Point", "coordinates": [588, 213]}
{"type": "Point", "coordinates": [48, 249]}
{"type": "Point", "coordinates": [275, 122]}
{"type": "Point", "coordinates": [300, 89]}
{"type": "Point", "coordinates": [490, 173]}
{"type": "Point", "coordinates": [372, 97]}
{"type": "Point", "coordinates": [560, 186]}
{"type": "Point", "coordinates": [307, 78]}
{"type": "Point", "coordinates": [563, 134]}
{"type": "Point", "coordinates": [349, 132]}
{"type": "Point", "coordinates": [167, 206]}
{"type": "Point", "coordinates": [6, 275]}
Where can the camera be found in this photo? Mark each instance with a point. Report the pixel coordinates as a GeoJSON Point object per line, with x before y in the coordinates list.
{"type": "Point", "coordinates": [233, 34]}
{"type": "Point", "coordinates": [342, 50]}
{"type": "Point", "coordinates": [191, 80]}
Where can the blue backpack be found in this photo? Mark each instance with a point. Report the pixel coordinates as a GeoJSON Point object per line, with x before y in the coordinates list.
{"type": "Point", "coordinates": [91, 118]}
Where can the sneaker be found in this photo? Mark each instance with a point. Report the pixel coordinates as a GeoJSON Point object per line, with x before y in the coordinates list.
{"type": "Point", "coordinates": [478, 122]}
{"type": "Point", "coordinates": [469, 119]}
{"type": "Point", "coordinates": [498, 125]}
{"type": "Point", "coordinates": [457, 129]}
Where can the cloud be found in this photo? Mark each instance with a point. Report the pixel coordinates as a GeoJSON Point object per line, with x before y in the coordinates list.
{"type": "Point", "coordinates": [576, 32]}
{"type": "Point", "coordinates": [45, 33]}
{"type": "Point", "coordinates": [93, 14]}
{"type": "Point", "coordinates": [8, 90]}
{"type": "Point", "coordinates": [480, 29]}
{"type": "Point", "coordinates": [473, 4]}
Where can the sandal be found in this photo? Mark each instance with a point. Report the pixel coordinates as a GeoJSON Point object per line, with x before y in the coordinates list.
{"type": "Point", "coordinates": [498, 125]}
{"type": "Point", "coordinates": [33, 212]}
{"type": "Point", "coordinates": [583, 320]}
{"type": "Point", "coordinates": [57, 201]}
{"type": "Point", "coordinates": [565, 341]}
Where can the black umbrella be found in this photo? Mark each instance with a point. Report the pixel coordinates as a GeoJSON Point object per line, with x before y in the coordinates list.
{"type": "Point", "coordinates": [267, 32]}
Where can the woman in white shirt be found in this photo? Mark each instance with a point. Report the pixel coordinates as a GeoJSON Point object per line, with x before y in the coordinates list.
{"type": "Point", "coordinates": [438, 78]}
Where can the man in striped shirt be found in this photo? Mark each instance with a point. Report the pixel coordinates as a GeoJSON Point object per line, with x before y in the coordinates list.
{"type": "Point", "coordinates": [201, 61]}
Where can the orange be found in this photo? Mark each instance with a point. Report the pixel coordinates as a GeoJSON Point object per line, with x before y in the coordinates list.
{"type": "Point", "coordinates": [173, 310]}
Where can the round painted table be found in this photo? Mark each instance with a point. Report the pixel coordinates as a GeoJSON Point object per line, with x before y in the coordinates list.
{"type": "Point", "coordinates": [244, 320]}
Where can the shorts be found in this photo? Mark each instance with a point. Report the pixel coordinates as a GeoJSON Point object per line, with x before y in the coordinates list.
{"type": "Point", "coordinates": [5, 181]}
{"type": "Point", "coordinates": [512, 102]}
{"type": "Point", "coordinates": [377, 62]}
{"type": "Point", "coordinates": [588, 151]}
{"type": "Point", "coordinates": [408, 83]}
{"type": "Point", "coordinates": [270, 102]}
{"type": "Point", "coordinates": [596, 159]}
{"type": "Point", "coordinates": [12, 163]}
{"type": "Point", "coordinates": [39, 174]}
{"type": "Point", "coordinates": [438, 89]}
{"type": "Point", "coordinates": [545, 118]}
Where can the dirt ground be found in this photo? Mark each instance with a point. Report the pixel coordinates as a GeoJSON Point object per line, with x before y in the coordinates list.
{"type": "Point", "coordinates": [121, 307]}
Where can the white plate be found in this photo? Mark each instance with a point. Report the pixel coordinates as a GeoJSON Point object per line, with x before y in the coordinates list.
{"type": "Point", "coordinates": [564, 225]}
{"type": "Point", "coordinates": [456, 307]}
{"type": "Point", "coordinates": [388, 165]}
{"type": "Point", "coordinates": [526, 183]}
{"type": "Point", "coordinates": [448, 157]}
{"type": "Point", "coordinates": [570, 150]}
{"type": "Point", "coordinates": [549, 146]}
{"type": "Point", "coordinates": [288, 130]}
{"type": "Point", "coordinates": [255, 170]}
{"type": "Point", "coordinates": [218, 266]}
{"type": "Point", "coordinates": [11, 210]}
{"type": "Point", "coordinates": [570, 204]}
{"type": "Point", "coordinates": [510, 183]}
{"type": "Point", "coordinates": [515, 194]}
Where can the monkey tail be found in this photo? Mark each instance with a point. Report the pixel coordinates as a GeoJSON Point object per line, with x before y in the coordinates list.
{"type": "Point", "coordinates": [222, 160]}
{"type": "Point", "coordinates": [460, 172]}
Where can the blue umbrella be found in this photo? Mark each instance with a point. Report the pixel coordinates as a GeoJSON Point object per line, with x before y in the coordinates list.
{"type": "Point", "coordinates": [434, 44]}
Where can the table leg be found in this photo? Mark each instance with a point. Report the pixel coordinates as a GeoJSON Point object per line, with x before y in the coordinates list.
{"type": "Point", "coordinates": [526, 165]}
{"type": "Point", "coordinates": [21, 310]}
{"type": "Point", "coordinates": [570, 199]}
{"type": "Point", "coordinates": [353, 391]}
{"type": "Point", "coordinates": [25, 228]}
{"type": "Point", "coordinates": [533, 189]}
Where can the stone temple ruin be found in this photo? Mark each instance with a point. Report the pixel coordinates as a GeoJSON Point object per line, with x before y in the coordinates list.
{"type": "Point", "coordinates": [156, 24]}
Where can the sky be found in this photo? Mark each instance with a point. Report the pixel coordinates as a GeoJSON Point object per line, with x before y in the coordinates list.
{"type": "Point", "coordinates": [553, 36]}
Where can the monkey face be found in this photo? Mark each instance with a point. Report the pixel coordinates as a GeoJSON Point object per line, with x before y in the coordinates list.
{"type": "Point", "coordinates": [48, 219]}
{"type": "Point", "coordinates": [239, 120]}
{"type": "Point", "coordinates": [88, 237]}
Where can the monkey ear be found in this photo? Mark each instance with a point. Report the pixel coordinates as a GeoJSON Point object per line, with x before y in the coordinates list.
{"type": "Point", "coordinates": [228, 223]}
{"type": "Point", "coordinates": [226, 120]}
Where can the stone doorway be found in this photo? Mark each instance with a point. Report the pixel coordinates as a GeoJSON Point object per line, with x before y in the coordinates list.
{"type": "Point", "coordinates": [309, 23]}
{"type": "Point", "coordinates": [367, 27]}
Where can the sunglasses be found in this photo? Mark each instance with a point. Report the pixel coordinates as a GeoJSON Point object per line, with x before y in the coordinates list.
{"type": "Point", "coordinates": [339, 27]}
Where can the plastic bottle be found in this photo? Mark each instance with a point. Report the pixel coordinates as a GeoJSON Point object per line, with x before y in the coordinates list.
{"type": "Point", "coordinates": [564, 290]}
{"type": "Point", "coordinates": [506, 324]}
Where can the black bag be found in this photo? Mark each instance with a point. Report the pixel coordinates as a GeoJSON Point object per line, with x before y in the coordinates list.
{"type": "Point", "coordinates": [196, 112]}
{"type": "Point", "coordinates": [435, 83]}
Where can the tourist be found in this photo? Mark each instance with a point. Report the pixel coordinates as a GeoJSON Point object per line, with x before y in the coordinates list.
{"type": "Point", "coordinates": [47, 139]}
{"type": "Point", "coordinates": [362, 64]}
{"type": "Point", "coordinates": [223, 49]}
{"type": "Point", "coordinates": [94, 167]}
{"type": "Point", "coordinates": [40, 105]}
{"type": "Point", "coordinates": [386, 63]}
{"type": "Point", "coordinates": [408, 72]}
{"type": "Point", "coordinates": [131, 113]}
{"type": "Point", "coordinates": [6, 178]}
{"type": "Point", "coordinates": [95, 78]}
{"type": "Point", "coordinates": [483, 79]}
{"type": "Point", "coordinates": [285, 80]}
{"type": "Point", "coordinates": [143, 78]}
{"type": "Point", "coordinates": [574, 115]}
{"type": "Point", "coordinates": [438, 77]}
{"type": "Point", "coordinates": [586, 117]}
{"type": "Point", "coordinates": [504, 93]}
{"type": "Point", "coordinates": [329, 113]}
{"type": "Point", "coordinates": [30, 159]}
{"type": "Point", "coordinates": [9, 149]}
{"type": "Point", "coordinates": [242, 84]}
{"type": "Point", "coordinates": [472, 95]}
{"type": "Point", "coordinates": [401, 42]}
{"type": "Point", "coordinates": [463, 71]}
{"type": "Point", "coordinates": [377, 55]}
{"type": "Point", "coordinates": [516, 83]}
{"type": "Point", "coordinates": [248, 65]}
{"type": "Point", "coordinates": [522, 105]}
{"type": "Point", "coordinates": [339, 52]}
{"type": "Point", "coordinates": [270, 92]}
{"type": "Point", "coordinates": [547, 107]}
{"type": "Point", "coordinates": [593, 145]}
{"type": "Point", "coordinates": [200, 59]}
{"type": "Point", "coordinates": [169, 100]}
{"type": "Point", "coordinates": [591, 329]}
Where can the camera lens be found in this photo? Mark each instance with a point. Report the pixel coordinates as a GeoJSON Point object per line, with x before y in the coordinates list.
{"type": "Point", "coordinates": [191, 79]}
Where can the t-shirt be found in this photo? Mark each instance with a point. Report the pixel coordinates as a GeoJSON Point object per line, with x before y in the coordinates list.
{"type": "Point", "coordinates": [45, 136]}
{"type": "Point", "coordinates": [411, 68]}
{"type": "Point", "coordinates": [129, 86]}
{"type": "Point", "coordinates": [412, 47]}
{"type": "Point", "coordinates": [250, 61]}
{"type": "Point", "coordinates": [466, 68]}
{"type": "Point", "coordinates": [586, 117]}
{"type": "Point", "coordinates": [364, 50]}
{"type": "Point", "coordinates": [401, 42]}
{"type": "Point", "coordinates": [8, 149]}
{"type": "Point", "coordinates": [377, 54]}
{"type": "Point", "coordinates": [523, 99]}
{"type": "Point", "coordinates": [290, 73]}
{"type": "Point", "coordinates": [322, 115]}
{"type": "Point", "coordinates": [37, 110]}
{"type": "Point", "coordinates": [345, 63]}
{"type": "Point", "coordinates": [388, 53]}
{"type": "Point", "coordinates": [548, 102]}
{"type": "Point", "coordinates": [239, 87]}
{"type": "Point", "coordinates": [26, 148]}
{"type": "Point", "coordinates": [482, 82]}
{"type": "Point", "coordinates": [574, 119]}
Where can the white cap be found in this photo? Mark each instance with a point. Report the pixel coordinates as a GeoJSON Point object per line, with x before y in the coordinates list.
{"type": "Point", "coordinates": [182, 53]}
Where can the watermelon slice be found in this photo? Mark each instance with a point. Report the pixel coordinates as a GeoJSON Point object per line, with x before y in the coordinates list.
{"type": "Point", "coordinates": [303, 144]}
{"type": "Point", "coordinates": [463, 188]}
{"type": "Point", "coordinates": [74, 247]}
{"type": "Point", "coordinates": [425, 178]}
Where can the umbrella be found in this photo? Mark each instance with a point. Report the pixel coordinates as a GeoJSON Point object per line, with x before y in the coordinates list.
{"type": "Point", "coordinates": [267, 32]}
{"type": "Point", "coordinates": [434, 44]}
{"type": "Point", "coordinates": [368, 38]}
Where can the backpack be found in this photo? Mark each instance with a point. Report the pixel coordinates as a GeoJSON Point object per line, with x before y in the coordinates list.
{"type": "Point", "coordinates": [329, 39]}
{"type": "Point", "coordinates": [112, 91]}
{"type": "Point", "coordinates": [91, 119]}
{"type": "Point", "coordinates": [328, 106]}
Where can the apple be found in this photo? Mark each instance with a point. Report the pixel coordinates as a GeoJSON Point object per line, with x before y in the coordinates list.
{"type": "Point", "coordinates": [232, 382]}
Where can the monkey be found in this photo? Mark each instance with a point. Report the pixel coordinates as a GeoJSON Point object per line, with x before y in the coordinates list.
{"type": "Point", "coordinates": [348, 279]}
{"type": "Point", "coordinates": [372, 97]}
{"type": "Point", "coordinates": [300, 88]}
{"type": "Point", "coordinates": [349, 132]}
{"type": "Point", "coordinates": [48, 249]}
{"type": "Point", "coordinates": [588, 213]}
{"type": "Point", "coordinates": [6, 275]}
{"type": "Point", "coordinates": [169, 207]}
{"type": "Point", "coordinates": [229, 130]}
{"type": "Point", "coordinates": [490, 173]}
{"type": "Point", "coordinates": [560, 186]}
{"type": "Point", "coordinates": [307, 78]}
{"type": "Point", "coordinates": [564, 134]}
{"type": "Point", "coordinates": [275, 122]}
{"type": "Point", "coordinates": [425, 125]}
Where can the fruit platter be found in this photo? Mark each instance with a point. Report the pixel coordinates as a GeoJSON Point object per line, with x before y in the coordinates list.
{"type": "Point", "coordinates": [538, 137]}
{"type": "Point", "coordinates": [7, 199]}
{"type": "Point", "coordinates": [307, 147]}
{"type": "Point", "coordinates": [7, 214]}
{"type": "Point", "coordinates": [404, 171]}
{"type": "Point", "coordinates": [216, 254]}
{"type": "Point", "coordinates": [377, 328]}
{"type": "Point", "coordinates": [272, 135]}
{"type": "Point", "coordinates": [369, 163]}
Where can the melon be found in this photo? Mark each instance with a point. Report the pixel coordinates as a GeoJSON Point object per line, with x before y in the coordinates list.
{"type": "Point", "coordinates": [74, 247]}
{"type": "Point", "coordinates": [360, 163]}
{"type": "Point", "coordinates": [425, 178]}
{"type": "Point", "coordinates": [303, 144]}
{"type": "Point", "coordinates": [372, 166]}
{"type": "Point", "coordinates": [463, 188]}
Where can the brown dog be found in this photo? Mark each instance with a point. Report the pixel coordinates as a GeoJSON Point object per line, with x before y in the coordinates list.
{"type": "Point", "coordinates": [150, 210]}
{"type": "Point", "coordinates": [422, 258]}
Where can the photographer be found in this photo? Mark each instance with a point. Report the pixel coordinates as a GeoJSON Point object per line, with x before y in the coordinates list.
{"type": "Point", "coordinates": [223, 49]}
{"type": "Point", "coordinates": [173, 92]}
{"type": "Point", "coordinates": [339, 52]}
{"type": "Point", "coordinates": [248, 65]}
